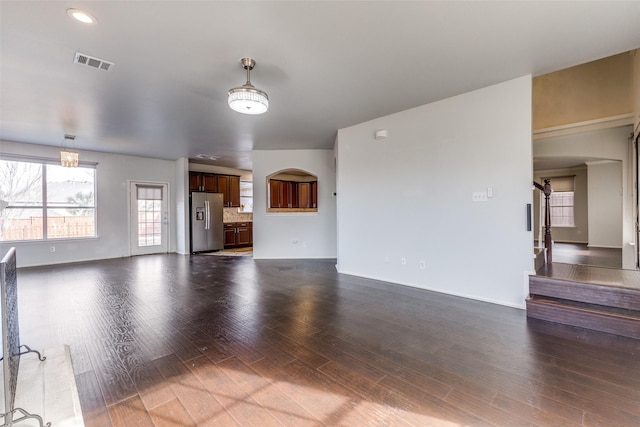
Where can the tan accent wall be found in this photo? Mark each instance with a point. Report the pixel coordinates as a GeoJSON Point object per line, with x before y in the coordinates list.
{"type": "Point", "coordinates": [590, 91]}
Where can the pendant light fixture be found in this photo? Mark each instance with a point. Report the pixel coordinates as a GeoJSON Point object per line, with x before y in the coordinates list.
{"type": "Point", "coordinates": [68, 157]}
{"type": "Point", "coordinates": [247, 99]}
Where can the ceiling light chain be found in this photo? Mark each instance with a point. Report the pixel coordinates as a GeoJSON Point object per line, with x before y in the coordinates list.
{"type": "Point", "coordinates": [247, 99]}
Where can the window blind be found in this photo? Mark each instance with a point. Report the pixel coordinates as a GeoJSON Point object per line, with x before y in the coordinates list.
{"type": "Point", "coordinates": [561, 183]}
{"type": "Point", "coordinates": [149, 192]}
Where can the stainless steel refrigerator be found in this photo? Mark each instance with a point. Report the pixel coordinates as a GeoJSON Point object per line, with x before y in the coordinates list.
{"type": "Point", "coordinates": [206, 222]}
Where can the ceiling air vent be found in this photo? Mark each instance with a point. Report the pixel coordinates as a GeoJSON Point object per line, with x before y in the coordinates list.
{"type": "Point", "coordinates": [90, 61]}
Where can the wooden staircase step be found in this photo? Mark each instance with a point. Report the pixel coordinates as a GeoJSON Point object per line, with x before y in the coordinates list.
{"type": "Point", "coordinates": [614, 320]}
{"type": "Point", "coordinates": [592, 293]}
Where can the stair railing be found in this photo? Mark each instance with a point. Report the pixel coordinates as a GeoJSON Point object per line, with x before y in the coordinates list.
{"type": "Point", "coordinates": [546, 190]}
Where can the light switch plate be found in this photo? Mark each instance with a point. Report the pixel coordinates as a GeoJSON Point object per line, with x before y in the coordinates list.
{"type": "Point", "coordinates": [479, 196]}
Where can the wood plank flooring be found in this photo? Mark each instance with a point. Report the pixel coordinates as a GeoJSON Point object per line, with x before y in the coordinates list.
{"type": "Point", "coordinates": [581, 253]}
{"type": "Point", "coordinates": [171, 340]}
{"type": "Point", "coordinates": [629, 279]}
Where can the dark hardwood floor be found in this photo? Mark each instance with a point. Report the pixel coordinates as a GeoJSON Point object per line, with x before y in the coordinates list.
{"type": "Point", "coordinates": [580, 253]}
{"type": "Point", "coordinates": [590, 274]}
{"type": "Point", "coordinates": [170, 340]}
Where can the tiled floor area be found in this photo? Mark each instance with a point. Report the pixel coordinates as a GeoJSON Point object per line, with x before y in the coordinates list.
{"type": "Point", "coordinates": [48, 389]}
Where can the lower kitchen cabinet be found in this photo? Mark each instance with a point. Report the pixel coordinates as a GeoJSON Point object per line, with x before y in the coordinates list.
{"type": "Point", "coordinates": [238, 234]}
{"type": "Point", "coordinates": [229, 235]}
{"type": "Point", "coordinates": [244, 234]}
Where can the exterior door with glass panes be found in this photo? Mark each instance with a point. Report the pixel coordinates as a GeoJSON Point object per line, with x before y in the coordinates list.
{"type": "Point", "coordinates": [149, 218]}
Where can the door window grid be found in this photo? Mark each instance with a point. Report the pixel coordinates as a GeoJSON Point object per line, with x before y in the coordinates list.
{"type": "Point", "coordinates": [149, 216]}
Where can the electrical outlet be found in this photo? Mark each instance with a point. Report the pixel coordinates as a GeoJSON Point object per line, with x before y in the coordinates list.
{"type": "Point", "coordinates": [423, 265]}
{"type": "Point", "coordinates": [479, 196]}
{"type": "Point", "coordinates": [386, 258]}
{"type": "Point", "coordinates": [52, 249]}
{"type": "Point", "coordinates": [403, 261]}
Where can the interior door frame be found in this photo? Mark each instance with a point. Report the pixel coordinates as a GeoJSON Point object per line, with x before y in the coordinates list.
{"type": "Point", "coordinates": [131, 186]}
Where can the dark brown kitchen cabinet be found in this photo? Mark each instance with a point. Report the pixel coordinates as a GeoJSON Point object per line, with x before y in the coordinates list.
{"type": "Point", "coordinates": [283, 194]}
{"type": "Point", "coordinates": [238, 234]}
{"type": "Point", "coordinates": [200, 181]}
{"type": "Point", "coordinates": [293, 195]}
{"type": "Point", "coordinates": [229, 186]}
{"type": "Point", "coordinates": [275, 193]}
{"type": "Point", "coordinates": [244, 234]}
{"type": "Point", "coordinates": [234, 191]}
{"type": "Point", "coordinates": [229, 235]}
{"type": "Point", "coordinates": [314, 194]}
{"type": "Point", "coordinates": [304, 195]}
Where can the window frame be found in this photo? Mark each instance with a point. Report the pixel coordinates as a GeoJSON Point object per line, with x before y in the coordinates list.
{"type": "Point", "coordinates": [45, 206]}
{"type": "Point", "coordinates": [563, 185]}
{"type": "Point", "coordinates": [244, 207]}
{"type": "Point", "coordinates": [554, 218]}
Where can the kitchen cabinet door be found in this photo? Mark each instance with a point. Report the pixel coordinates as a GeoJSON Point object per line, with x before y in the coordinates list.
{"type": "Point", "coordinates": [194, 181]}
{"type": "Point", "coordinates": [275, 194]}
{"type": "Point", "coordinates": [229, 235]}
{"type": "Point", "coordinates": [314, 194]}
{"type": "Point", "coordinates": [223, 187]}
{"type": "Point", "coordinates": [234, 191]}
{"type": "Point", "coordinates": [229, 186]}
{"type": "Point", "coordinates": [209, 182]}
{"type": "Point", "coordinates": [304, 195]}
{"type": "Point", "coordinates": [244, 234]}
{"type": "Point", "coordinates": [199, 181]}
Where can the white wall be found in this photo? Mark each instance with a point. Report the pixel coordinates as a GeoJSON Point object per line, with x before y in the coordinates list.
{"type": "Point", "coordinates": [605, 204]}
{"type": "Point", "coordinates": [112, 176]}
{"type": "Point", "coordinates": [183, 234]}
{"type": "Point", "coordinates": [603, 144]}
{"type": "Point", "coordinates": [410, 195]}
{"type": "Point", "coordinates": [294, 235]}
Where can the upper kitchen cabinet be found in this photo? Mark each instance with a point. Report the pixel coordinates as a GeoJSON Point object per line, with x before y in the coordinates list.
{"type": "Point", "coordinates": [200, 181]}
{"type": "Point", "coordinates": [292, 190]}
{"type": "Point", "coordinates": [229, 186]}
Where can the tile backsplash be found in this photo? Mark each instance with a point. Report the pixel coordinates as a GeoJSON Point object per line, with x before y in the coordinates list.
{"type": "Point", "coordinates": [232, 215]}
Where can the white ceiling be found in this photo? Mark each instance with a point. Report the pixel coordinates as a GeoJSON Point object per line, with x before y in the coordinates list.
{"type": "Point", "coordinates": [325, 65]}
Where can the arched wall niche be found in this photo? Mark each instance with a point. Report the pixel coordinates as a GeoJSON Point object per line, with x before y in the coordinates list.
{"type": "Point", "coordinates": [292, 190]}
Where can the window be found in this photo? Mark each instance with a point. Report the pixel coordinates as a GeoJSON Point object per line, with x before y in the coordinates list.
{"type": "Point", "coordinates": [42, 200]}
{"type": "Point", "coordinates": [149, 200]}
{"type": "Point", "coordinates": [246, 196]}
{"type": "Point", "coordinates": [561, 201]}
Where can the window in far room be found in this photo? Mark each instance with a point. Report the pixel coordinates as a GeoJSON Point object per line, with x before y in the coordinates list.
{"type": "Point", "coordinates": [41, 200]}
{"type": "Point", "coordinates": [561, 201]}
{"type": "Point", "coordinates": [246, 196]}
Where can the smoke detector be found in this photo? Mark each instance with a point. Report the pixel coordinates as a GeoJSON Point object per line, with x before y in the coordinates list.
{"type": "Point", "coordinates": [90, 61]}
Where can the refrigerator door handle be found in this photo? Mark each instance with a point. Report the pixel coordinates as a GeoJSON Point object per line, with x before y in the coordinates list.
{"type": "Point", "coordinates": [207, 214]}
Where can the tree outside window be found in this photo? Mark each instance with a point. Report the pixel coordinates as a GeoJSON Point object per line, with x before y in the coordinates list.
{"type": "Point", "coordinates": [46, 201]}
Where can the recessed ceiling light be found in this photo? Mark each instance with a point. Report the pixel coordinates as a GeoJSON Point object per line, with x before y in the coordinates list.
{"type": "Point", "coordinates": [82, 16]}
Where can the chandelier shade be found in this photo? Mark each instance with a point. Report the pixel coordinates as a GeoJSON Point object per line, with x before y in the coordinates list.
{"type": "Point", "coordinates": [247, 99]}
{"type": "Point", "coordinates": [68, 157]}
